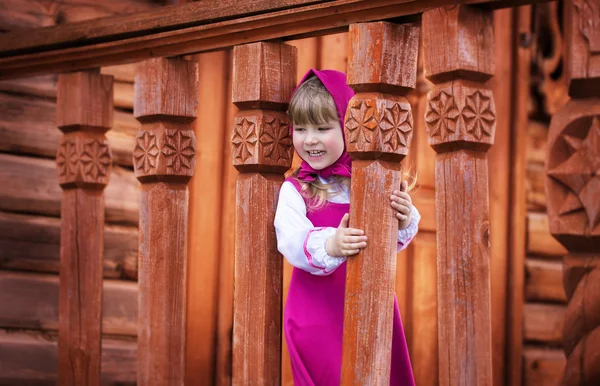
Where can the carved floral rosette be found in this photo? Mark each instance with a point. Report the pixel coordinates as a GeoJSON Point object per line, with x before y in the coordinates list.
{"type": "Point", "coordinates": [460, 114]}
{"type": "Point", "coordinates": [165, 151]}
{"type": "Point", "coordinates": [378, 123]}
{"type": "Point", "coordinates": [573, 177]}
{"type": "Point", "coordinates": [261, 141]}
{"type": "Point", "coordinates": [83, 160]}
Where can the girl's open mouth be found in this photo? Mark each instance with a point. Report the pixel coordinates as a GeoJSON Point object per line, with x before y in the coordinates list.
{"type": "Point", "coordinates": [316, 154]}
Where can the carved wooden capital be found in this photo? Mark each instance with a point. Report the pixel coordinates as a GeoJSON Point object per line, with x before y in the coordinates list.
{"type": "Point", "coordinates": [383, 57]}
{"type": "Point", "coordinates": [573, 175]}
{"type": "Point", "coordinates": [460, 114]}
{"type": "Point", "coordinates": [467, 47]}
{"type": "Point", "coordinates": [261, 141]}
{"type": "Point", "coordinates": [264, 75]}
{"type": "Point", "coordinates": [83, 160]}
{"type": "Point", "coordinates": [582, 29]}
{"type": "Point", "coordinates": [165, 151]}
{"type": "Point", "coordinates": [378, 126]}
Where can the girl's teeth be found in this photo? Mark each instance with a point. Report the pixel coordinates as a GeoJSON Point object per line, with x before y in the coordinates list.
{"type": "Point", "coordinates": [316, 153]}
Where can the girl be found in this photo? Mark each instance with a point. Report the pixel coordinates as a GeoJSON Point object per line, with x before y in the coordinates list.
{"type": "Point", "coordinates": [311, 222]}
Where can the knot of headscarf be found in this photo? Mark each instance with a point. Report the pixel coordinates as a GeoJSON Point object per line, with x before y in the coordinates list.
{"type": "Point", "coordinates": [342, 167]}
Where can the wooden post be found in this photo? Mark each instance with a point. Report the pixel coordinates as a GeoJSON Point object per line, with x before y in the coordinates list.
{"type": "Point", "coordinates": [573, 191]}
{"type": "Point", "coordinates": [458, 44]}
{"type": "Point", "coordinates": [84, 112]}
{"type": "Point", "coordinates": [263, 80]}
{"type": "Point", "coordinates": [166, 94]}
{"type": "Point", "coordinates": [382, 68]}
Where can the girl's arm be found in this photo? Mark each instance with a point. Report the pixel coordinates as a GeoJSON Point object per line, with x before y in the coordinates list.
{"type": "Point", "coordinates": [302, 244]}
{"type": "Point", "coordinates": [407, 234]}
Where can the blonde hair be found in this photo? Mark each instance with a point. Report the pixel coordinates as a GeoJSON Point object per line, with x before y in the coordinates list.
{"type": "Point", "coordinates": [313, 104]}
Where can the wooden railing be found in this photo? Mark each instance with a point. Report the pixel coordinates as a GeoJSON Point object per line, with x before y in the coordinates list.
{"type": "Point", "coordinates": [458, 58]}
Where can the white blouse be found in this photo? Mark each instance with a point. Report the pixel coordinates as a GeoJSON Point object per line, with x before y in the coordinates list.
{"type": "Point", "coordinates": [303, 244]}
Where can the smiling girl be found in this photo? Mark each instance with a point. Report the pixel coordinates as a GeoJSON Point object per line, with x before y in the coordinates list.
{"type": "Point", "coordinates": [311, 222]}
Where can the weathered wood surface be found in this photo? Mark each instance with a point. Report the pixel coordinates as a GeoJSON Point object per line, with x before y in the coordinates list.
{"type": "Point", "coordinates": [544, 281]}
{"type": "Point", "coordinates": [30, 185]}
{"type": "Point", "coordinates": [30, 301]}
{"type": "Point", "coordinates": [193, 28]}
{"type": "Point", "coordinates": [382, 67]}
{"type": "Point", "coordinates": [542, 366]}
{"type": "Point", "coordinates": [205, 216]}
{"type": "Point", "coordinates": [543, 323]}
{"type": "Point", "coordinates": [573, 192]}
{"type": "Point", "coordinates": [83, 113]}
{"type": "Point", "coordinates": [165, 156]}
{"type": "Point", "coordinates": [517, 236]}
{"type": "Point", "coordinates": [28, 126]}
{"type": "Point", "coordinates": [30, 358]}
{"type": "Point", "coordinates": [539, 238]}
{"type": "Point", "coordinates": [262, 153]}
{"type": "Point", "coordinates": [32, 243]}
{"type": "Point", "coordinates": [461, 117]}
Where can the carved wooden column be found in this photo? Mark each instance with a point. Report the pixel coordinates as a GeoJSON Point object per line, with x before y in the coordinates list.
{"type": "Point", "coordinates": [84, 112]}
{"type": "Point", "coordinates": [573, 190]}
{"type": "Point", "coordinates": [382, 68]}
{"type": "Point", "coordinates": [166, 94]}
{"type": "Point", "coordinates": [263, 80]}
{"type": "Point", "coordinates": [458, 44]}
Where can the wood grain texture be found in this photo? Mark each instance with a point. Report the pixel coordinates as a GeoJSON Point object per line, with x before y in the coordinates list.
{"type": "Point", "coordinates": [378, 130]}
{"type": "Point", "coordinates": [166, 101]}
{"type": "Point", "coordinates": [458, 48]}
{"type": "Point", "coordinates": [30, 301]}
{"type": "Point", "coordinates": [517, 237]}
{"type": "Point", "coordinates": [185, 30]}
{"type": "Point", "coordinates": [543, 323]}
{"type": "Point", "coordinates": [32, 243]}
{"type": "Point", "coordinates": [542, 366]}
{"type": "Point", "coordinates": [30, 185]}
{"type": "Point", "coordinates": [261, 149]}
{"type": "Point", "coordinates": [30, 358]}
{"type": "Point", "coordinates": [83, 113]}
{"type": "Point", "coordinates": [544, 281]}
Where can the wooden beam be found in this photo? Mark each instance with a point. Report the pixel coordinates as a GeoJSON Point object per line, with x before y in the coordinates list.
{"type": "Point", "coordinates": [544, 281]}
{"type": "Point", "coordinates": [165, 159]}
{"type": "Point", "coordinates": [543, 323]}
{"type": "Point", "coordinates": [37, 298]}
{"type": "Point", "coordinates": [542, 366]}
{"type": "Point", "coordinates": [32, 243]}
{"type": "Point", "coordinates": [263, 75]}
{"type": "Point", "coordinates": [458, 47]}
{"type": "Point", "coordinates": [191, 28]}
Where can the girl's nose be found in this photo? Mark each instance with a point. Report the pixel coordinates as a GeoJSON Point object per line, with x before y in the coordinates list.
{"type": "Point", "coordinates": [310, 139]}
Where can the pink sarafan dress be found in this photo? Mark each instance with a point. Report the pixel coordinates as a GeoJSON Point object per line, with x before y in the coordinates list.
{"type": "Point", "coordinates": [314, 318]}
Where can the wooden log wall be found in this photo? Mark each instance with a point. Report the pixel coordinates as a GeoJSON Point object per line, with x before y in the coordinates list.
{"type": "Point", "coordinates": [30, 210]}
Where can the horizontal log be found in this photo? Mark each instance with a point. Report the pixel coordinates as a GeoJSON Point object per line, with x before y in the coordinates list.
{"type": "Point", "coordinates": [544, 281]}
{"type": "Point", "coordinates": [537, 142]}
{"type": "Point", "coordinates": [539, 239]}
{"type": "Point", "coordinates": [28, 126]}
{"type": "Point", "coordinates": [32, 243]}
{"type": "Point", "coordinates": [29, 358]}
{"type": "Point", "coordinates": [543, 323]}
{"type": "Point", "coordinates": [543, 366]}
{"type": "Point", "coordinates": [192, 28]}
{"type": "Point", "coordinates": [30, 301]}
{"type": "Point", "coordinates": [536, 191]}
{"type": "Point", "coordinates": [30, 185]}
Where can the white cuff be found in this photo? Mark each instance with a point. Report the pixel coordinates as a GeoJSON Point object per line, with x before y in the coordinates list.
{"type": "Point", "coordinates": [406, 234]}
{"type": "Point", "coordinates": [316, 254]}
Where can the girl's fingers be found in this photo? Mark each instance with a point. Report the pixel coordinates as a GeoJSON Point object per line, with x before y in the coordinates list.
{"type": "Point", "coordinates": [353, 232]}
{"type": "Point", "coordinates": [353, 246]}
{"type": "Point", "coordinates": [351, 252]}
{"type": "Point", "coordinates": [404, 209]}
{"type": "Point", "coordinates": [401, 217]}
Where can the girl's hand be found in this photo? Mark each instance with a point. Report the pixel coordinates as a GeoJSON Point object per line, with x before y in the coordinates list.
{"type": "Point", "coordinates": [346, 241]}
{"type": "Point", "coordinates": [402, 204]}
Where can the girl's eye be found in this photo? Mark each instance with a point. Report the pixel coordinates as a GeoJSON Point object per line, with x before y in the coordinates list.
{"type": "Point", "coordinates": [324, 128]}
{"type": "Point", "coordinates": [298, 128]}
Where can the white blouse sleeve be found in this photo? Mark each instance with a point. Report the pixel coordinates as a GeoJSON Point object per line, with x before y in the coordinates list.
{"type": "Point", "coordinates": [302, 244]}
{"type": "Point", "coordinates": [407, 234]}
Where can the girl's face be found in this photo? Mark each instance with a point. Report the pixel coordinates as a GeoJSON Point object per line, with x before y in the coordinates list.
{"type": "Point", "coordinates": [319, 145]}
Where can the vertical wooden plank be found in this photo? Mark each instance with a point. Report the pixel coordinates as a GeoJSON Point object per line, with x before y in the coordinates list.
{"type": "Point", "coordinates": [517, 237]}
{"type": "Point", "coordinates": [573, 192]}
{"type": "Point", "coordinates": [333, 53]}
{"type": "Point", "coordinates": [308, 54]}
{"type": "Point", "coordinates": [500, 160]}
{"type": "Point", "coordinates": [263, 80]}
{"type": "Point", "coordinates": [205, 217]}
{"type": "Point", "coordinates": [226, 261]}
{"type": "Point", "coordinates": [382, 67]}
{"type": "Point", "coordinates": [458, 46]}
{"type": "Point", "coordinates": [83, 113]}
{"type": "Point", "coordinates": [166, 95]}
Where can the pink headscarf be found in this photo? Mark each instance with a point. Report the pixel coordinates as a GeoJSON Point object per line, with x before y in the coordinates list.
{"type": "Point", "coordinates": [335, 83]}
